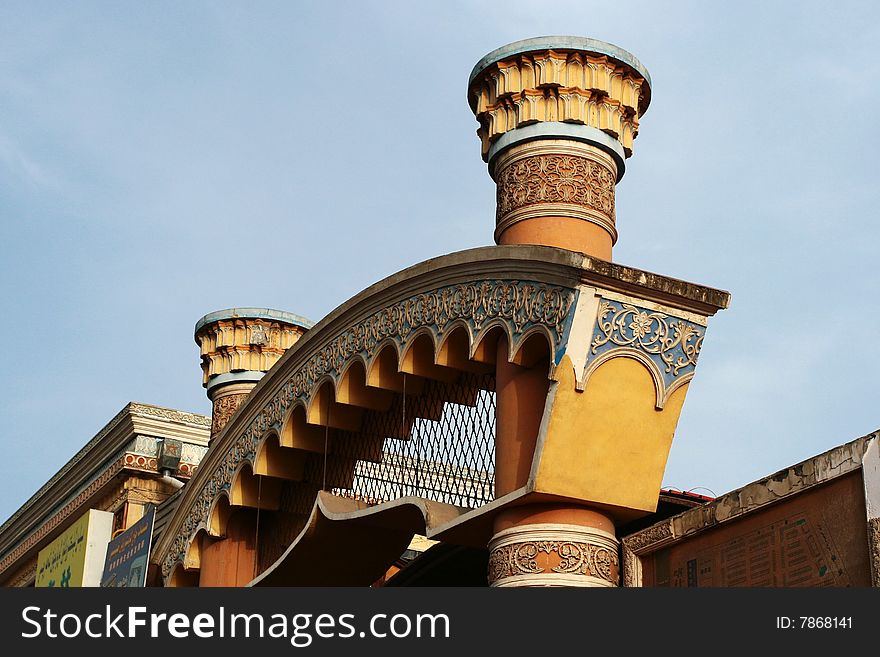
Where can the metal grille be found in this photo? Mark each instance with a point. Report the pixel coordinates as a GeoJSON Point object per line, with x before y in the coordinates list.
{"type": "Point", "coordinates": [438, 444]}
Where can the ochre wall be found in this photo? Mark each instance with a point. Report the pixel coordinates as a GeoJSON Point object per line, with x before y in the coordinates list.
{"type": "Point", "coordinates": [521, 393]}
{"type": "Point", "coordinates": [563, 232]}
{"type": "Point", "coordinates": [609, 443]}
{"type": "Point", "coordinates": [230, 561]}
{"type": "Point", "coordinates": [817, 538]}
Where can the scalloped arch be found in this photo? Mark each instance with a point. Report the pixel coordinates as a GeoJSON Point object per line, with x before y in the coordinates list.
{"type": "Point", "coordinates": [218, 515]}
{"type": "Point", "coordinates": [527, 350]}
{"type": "Point", "coordinates": [274, 460]}
{"type": "Point", "coordinates": [490, 332]}
{"type": "Point", "coordinates": [454, 327]}
{"type": "Point", "coordinates": [182, 578]}
{"type": "Point", "coordinates": [661, 394]}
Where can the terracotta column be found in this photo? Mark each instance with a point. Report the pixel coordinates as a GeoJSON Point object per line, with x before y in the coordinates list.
{"type": "Point", "coordinates": [520, 393]}
{"type": "Point", "coordinates": [553, 545]}
{"type": "Point", "coordinates": [557, 117]}
{"type": "Point", "coordinates": [238, 346]}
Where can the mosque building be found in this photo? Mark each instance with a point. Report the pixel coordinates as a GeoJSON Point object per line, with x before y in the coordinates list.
{"type": "Point", "coordinates": [499, 416]}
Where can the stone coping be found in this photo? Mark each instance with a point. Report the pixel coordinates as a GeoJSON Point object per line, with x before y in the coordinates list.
{"type": "Point", "coordinates": [579, 43]}
{"type": "Point", "coordinates": [254, 313]}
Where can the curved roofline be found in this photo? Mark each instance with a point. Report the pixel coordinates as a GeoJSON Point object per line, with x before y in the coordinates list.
{"type": "Point", "coordinates": [561, 269]}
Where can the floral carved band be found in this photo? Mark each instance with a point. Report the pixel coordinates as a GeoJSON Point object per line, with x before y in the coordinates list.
{"type": "Point", "coordinates": [553, 555]}
{"type": "Point", "coordinates": [571, 180]}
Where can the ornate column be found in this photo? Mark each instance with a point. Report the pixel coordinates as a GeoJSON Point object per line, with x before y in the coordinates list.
{"type": "Point", "coordinates": [557, 117]}
{"type": "Point", "coordinates": [238, 346]}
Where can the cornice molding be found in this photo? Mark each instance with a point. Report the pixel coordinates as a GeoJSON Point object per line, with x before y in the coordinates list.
{"type": "Point", "coordinates": [95, 458]}
{"type": "Point", "coordinates": [752, 497]}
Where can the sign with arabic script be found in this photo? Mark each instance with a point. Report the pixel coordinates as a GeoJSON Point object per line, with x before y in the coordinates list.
{"type": "Point", "coordinates": [128, 554]}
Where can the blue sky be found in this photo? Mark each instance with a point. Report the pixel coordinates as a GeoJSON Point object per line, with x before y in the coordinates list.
{"type": "Point", "coordinates": [162, 160]}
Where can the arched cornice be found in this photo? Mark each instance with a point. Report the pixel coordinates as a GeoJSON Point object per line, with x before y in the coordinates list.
{"type": "Point", "coordinates": [519, 290]}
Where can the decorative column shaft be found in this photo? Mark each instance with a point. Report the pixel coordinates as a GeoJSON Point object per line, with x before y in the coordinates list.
{"type": "Point", "coordinates": [226, 399]}
{"type": "Point", "coordinates": [558, 116]}
{"type": "Point", "coordinates": [553, 545]}
{"type": "Point", "coordinates": [238, 346]}
{"type": "Point", "coordinates": [556, 192]}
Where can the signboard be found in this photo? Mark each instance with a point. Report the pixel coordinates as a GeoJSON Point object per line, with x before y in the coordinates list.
{"type": "Point", "coordinates": [128, 554]}
{"type": "Point", "coordinates": [76, 558]}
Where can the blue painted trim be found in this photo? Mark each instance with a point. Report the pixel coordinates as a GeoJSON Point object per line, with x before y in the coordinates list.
{"type": "Point", "coordinates": [246, 376]}
{"type": "Point", "coordinates": [560, 130]}
{"type": "Point", "coordinates": [672, 343]}
{"type": "Point", "coordinates": [562, 347]}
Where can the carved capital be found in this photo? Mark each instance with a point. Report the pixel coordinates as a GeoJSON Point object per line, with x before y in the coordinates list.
{"type": "Point", "coordinates": [553, 555]}
{"type": "Point", "coordinates": [236, 341]}
{"type": "Point", "coordinates": [558, 79]}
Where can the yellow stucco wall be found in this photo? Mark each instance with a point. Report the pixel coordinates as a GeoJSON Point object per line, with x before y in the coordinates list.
{"type": "Point", "coordinates": [609, 443]}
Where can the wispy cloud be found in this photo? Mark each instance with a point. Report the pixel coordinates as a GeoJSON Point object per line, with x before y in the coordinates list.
{"type": "Point", "coordinates": [21, 165]}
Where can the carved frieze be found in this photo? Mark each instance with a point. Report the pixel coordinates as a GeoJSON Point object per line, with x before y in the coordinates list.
{"type": "Point", "coordinates": [667, 344]}
{"type": "Point", "coordinates": [553, 178]}
{"type": "Point", "coordinates": [540, 555]}
{"type": "Point", "coordinates": [874, 549]}
{"type": "Point", "coordinates": [166, 414]}
{"type": "Point", "coordinates": [650, 537]}
{"type": "Point", "coordinates": [224, 407]}
{"type": "Point", "coordinates": [632, 567]}
{"type": "Point", "coordinates": [574, 558]}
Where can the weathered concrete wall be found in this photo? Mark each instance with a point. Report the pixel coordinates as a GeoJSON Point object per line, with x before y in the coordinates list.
{"type": "Point", "coordinates": [874, 549]}
{"type": "Point", "coordinates": [815, 538]}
